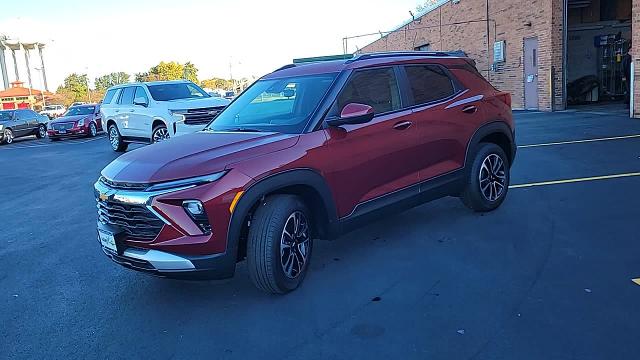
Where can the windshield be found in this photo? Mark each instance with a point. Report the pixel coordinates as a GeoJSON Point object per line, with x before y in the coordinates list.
{"type": "Point", "coordinates": [175, 91]}
{"type": "Point", "coordinates": [6, 115]}
{"type": "Point", "coordinates": [50, 107]}
{"type": "Point", "coordinates": [277, 105]}
{"type": "Point", "coordinates": [80, 110]}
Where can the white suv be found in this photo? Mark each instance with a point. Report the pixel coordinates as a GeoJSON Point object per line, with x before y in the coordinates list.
{"type": "Point", "coordinates": [154, 111]}
{"type": "Point", "coordinates": [53, 111]}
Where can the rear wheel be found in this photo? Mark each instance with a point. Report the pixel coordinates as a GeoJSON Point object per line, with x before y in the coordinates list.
{"type": "Point", "coordinates": [8, 136]}
{"type": "Point", "coordinates": [117, 144]}
{"type": "Point", "coordinates": [488, 180]}
{"type": "Point", "coordinates": [279, 244]}
{"type": "Point", "coordinates": [160, 133]}
{"type": "Point", "coordinates": [42, 132]}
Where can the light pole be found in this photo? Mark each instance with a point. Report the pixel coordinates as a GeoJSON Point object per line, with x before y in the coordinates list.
{"type": "Point", "coordinates": [40, 70]}
{"type": "Point", "coordinates": [87, 77]}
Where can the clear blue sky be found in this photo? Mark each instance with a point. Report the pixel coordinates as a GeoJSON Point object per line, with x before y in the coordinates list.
{"type": "Point", "coordinates": [98, 37]}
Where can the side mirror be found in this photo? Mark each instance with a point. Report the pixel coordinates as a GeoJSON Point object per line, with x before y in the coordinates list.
{"type": "Point", "coordinates": [140, 101]}
{"type": "Point", "coordinates": [353, 113]}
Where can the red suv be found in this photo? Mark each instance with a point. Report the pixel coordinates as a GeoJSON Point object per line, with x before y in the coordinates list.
{"type": "Point", "coordinates": [307, 152]}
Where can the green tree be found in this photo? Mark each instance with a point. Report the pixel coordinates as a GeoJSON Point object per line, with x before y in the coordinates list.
{"type": "Point", "coordinates": [75, 88]}
{"type": "Point", "coordinates": [169, 71]}
{"type": "Point", "coordinates": [217, 83]}
{"type": "Point", "coordinates": [106, 81]}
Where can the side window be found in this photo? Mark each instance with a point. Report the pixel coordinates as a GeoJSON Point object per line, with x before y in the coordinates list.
{"type": "Point", "coordinates": [141, 94]}
{"type": "Point", "coordinates": [19, 115]}
{"type": "Point", "coordinates": [126, 98]}
{"type": "Point", "coordinates": [428, 83]}
{"type": "Point", "coordinates": [377, 88]}
{"type": "Point", "coordinates": [108, 97]}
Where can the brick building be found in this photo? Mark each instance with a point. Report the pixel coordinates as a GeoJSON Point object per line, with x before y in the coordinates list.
{"type": "Point", "coordinates": [535, 49]}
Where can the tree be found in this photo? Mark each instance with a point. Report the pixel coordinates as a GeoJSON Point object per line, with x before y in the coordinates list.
{"type": "Point", "coordinates": [75, 88]}
{"type": "Point", "coordinates": [106, 81]}
{"type": "Point", "coordinates": [217, 83]}
{"type": "Point", "coordinates": [169, 71]}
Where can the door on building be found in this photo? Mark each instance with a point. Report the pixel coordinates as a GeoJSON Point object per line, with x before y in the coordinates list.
{"type": "Point", "coordinates": [531, 73]}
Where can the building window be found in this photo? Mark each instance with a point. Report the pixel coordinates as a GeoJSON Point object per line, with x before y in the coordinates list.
{"type": "Point", "coordinates": [425, 47]}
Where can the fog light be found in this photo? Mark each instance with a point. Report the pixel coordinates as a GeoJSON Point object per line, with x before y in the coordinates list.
{"type": "Point", "coordinates": [196, 212]}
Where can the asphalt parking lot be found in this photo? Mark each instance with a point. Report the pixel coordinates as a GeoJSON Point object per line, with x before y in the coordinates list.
{"type": "Point", "coordinates": [546, 276]}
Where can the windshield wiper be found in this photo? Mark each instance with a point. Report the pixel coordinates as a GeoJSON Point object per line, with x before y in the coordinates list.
{"type": "Point", "coordinates": [241, 129]}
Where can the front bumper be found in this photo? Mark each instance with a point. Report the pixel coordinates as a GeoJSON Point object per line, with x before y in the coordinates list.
{"type": "Point", "coordinates": [76, 131]}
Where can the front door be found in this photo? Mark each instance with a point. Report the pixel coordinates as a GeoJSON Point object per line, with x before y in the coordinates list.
{"type": "Point", "coordinates": [531, 73]}
{"type": "Point", "coordinates": [376, 158]}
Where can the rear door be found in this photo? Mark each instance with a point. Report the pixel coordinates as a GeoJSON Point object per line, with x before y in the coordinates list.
{"type": "Point", "coordinates": [377, 158]}
{"type": "Point", "coordinates": [441, 121]}
{"type": "Point", "coordinates": [21, 123]}
{"type": "Point", "coordinates": [123, 112]}
{"type": "Point", "coordinates": [32, 119]}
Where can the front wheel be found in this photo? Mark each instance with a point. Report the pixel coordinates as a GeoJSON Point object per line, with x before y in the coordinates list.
{"type": "Point", "coordinates": [42, 132]}
{"type": "Point", "coordinates": [279, 244]}
{"type": "Point", "coordinates": [488, 180]}
{"type": "Point", "coordinates": [116, 140]}
{"type": "Point", "coordinates": [160, 133]}
{"type": "Point", "coordinates": [92, 130]}
{"type": "Point", "coordinates": [8, 136]}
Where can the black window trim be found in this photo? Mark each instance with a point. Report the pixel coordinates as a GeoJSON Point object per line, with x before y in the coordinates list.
{"type": "Point", "coordinates": [399, 84]}
{"type": "Point", "coordinates": [122, 92]}
{"type": "Point", "coordinates": [457, 87]}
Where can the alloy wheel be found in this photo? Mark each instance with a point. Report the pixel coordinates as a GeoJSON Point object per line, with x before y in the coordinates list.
{"type": "Point", "coordinates": [160, 134]}
{"type": "Point", "coordinates": [43, 131]}
{"type": "Point", "coordinates": [8, 136]}
{"type": "Point", "coordinates": [294, 245]}
{"type": "Point", "coordinates": [492, 177]}
{"type": "Point", "coordinates": [92, 129]}
{"type": "Point", "coordinates": [113, 137]}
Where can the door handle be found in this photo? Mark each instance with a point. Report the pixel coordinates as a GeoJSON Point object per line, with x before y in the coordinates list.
{"type": "Point", "coordinates": [403, 125]}
{"type": "Point", "coordinates": [470, 109]}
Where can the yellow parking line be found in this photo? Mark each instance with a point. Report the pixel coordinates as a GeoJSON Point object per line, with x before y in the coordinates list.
{"type": "Point", "coordinates": [567, 181]}
{"type": "Point", "coordinates": [580, 141]}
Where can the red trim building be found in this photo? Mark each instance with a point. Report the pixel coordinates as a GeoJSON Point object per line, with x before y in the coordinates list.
{"type": "Point", "coordinates": [20, 97]}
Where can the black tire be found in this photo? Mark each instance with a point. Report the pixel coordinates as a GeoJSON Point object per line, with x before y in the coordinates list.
{"type": "Point", "coordinates": [159, 133]}
{"type": "Point", "coordinates": [8, 136]}
{"type": "Point", "coordinates": [41, 132]}
{"type": "Point", "coordinates": [265, 254]}
{"type": "Point", "coordinates": [115, 139]}
{"type": "Point", "coordinates": [93, 130]}
{"type": "Point", "coordinates": [483, 199]}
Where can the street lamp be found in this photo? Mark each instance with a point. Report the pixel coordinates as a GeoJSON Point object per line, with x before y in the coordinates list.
{"type": "Point", "coordinates": [40, 70]}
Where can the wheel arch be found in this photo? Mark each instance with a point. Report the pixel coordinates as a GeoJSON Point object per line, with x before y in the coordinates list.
{"type": "Point", "coordinates": [496, 132]}
{"type": "Point", "coordinates": [308, 184]}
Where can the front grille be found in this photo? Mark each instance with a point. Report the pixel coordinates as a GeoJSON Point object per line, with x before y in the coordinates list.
{"type": "Point", "coordinates": [123, 185]}
{"type": "Point", "coordinates": [63, 126]}
{"type": "Point", "coordinates": [201, 116]}
{"type": "Point", "coordinates": [135, 220]}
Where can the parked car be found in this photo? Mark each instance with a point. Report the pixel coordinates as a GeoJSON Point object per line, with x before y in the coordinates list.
{"type": "Point", "coordinates": [154, 111]}
{"type": "Point", "coordinates": [309, 151]}
{"type": "Point", "coordinates": [53, 111]}
{"type": "Point", "coordinates": [80, 120]}
{"type": "Point", "coordinates": [21, 122]}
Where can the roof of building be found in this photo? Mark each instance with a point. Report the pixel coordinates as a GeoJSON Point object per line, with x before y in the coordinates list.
{"type": "Point", "coordinates": [17, 90]}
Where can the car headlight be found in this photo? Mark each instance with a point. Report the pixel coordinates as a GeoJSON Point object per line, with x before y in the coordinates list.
{"type": "Point", "coordinates": [178, 115]}
{"type": "Point", "coordinates": [186, 183]}
{"type": "Point", "coordinates": [81, 122]}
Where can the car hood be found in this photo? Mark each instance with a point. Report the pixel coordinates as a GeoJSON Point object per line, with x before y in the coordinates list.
{"type": "Point", "coordinates": [66, 119]}
{"type": "Point", "coordinates": [191, 155]}
{"type": "Point", "coordinates": [196, 103]}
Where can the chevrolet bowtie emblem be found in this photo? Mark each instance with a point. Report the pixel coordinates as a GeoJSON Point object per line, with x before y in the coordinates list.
{"type": "Point", "coordinates": [103, 196]}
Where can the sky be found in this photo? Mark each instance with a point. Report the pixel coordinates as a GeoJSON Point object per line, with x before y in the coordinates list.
{"type": "Point", "coordinates": [255, 37]}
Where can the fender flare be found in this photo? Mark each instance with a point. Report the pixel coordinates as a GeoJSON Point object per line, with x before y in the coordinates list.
{"type": "Point", "coordinates": [487, 129]}
{"type": "Point", "coordinates": [308, 178]}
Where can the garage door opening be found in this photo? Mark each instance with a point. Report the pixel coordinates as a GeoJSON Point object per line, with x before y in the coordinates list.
{"type": "Point", "coordinates": [598, 40]}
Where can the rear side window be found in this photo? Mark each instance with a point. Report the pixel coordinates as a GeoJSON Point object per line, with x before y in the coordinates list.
{"type": "Point", "coordinates": [109, 96]}
{"type": "Point", "coordinates": [141, 94]}
{"type": "Point", "coordinates": [429, 83]}
{"type": "Point", "coordinates": [377, 88]}
{"type": "Point", "coordinates": [127, 96]}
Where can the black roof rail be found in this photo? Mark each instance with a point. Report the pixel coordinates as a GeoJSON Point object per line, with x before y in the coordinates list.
{"type": "Point", "coordinates": [288, 66]}
{"type": "Point", "coordinates": [457, 53]}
